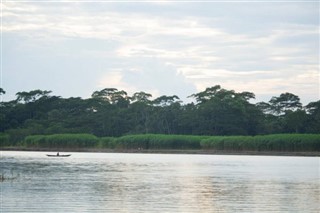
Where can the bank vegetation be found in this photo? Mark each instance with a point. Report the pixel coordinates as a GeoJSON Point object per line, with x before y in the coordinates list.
{"type": "Point", "coordinates": [259, 143]}
{"type": "Point", "coordinates": [214, 119]}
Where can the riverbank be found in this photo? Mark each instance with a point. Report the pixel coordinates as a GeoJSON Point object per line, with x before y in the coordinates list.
{"type": "Point", "coordinates": [165, 151]}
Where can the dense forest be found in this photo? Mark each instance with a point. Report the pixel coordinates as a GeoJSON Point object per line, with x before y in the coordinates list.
{"type": "Point", "coordinates": [112, 113]}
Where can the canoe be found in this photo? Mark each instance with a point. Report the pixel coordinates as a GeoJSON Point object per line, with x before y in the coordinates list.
{"type": "Point", "coordinates": [58, 155]}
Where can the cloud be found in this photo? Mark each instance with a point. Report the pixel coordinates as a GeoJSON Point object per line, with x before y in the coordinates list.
{"type": "Point", "coordinates": [151, 76]}
{"type": "Point", "coordinates": [168, 48]}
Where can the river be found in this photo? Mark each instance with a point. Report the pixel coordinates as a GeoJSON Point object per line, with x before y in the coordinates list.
{"type": "Point", "coordinates": [110, 182]}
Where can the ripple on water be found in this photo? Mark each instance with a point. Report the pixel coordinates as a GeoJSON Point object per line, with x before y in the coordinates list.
{"type": "Point", "coordinates": [88, 182]}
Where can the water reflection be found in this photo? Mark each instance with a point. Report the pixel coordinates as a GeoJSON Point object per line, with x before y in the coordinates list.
{"type": "Point", "coordinates": [92, 182]}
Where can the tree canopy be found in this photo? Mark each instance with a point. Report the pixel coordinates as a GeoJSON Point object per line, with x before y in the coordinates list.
{"type": "Point", "coordinates": [111, 112]}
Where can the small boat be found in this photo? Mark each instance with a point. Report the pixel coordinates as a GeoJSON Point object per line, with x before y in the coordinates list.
{"type": "Point", "coordinates": [58, 155]}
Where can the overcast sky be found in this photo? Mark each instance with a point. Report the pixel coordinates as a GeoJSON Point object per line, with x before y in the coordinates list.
{"type": "Point", "coordinates": [164, 48]}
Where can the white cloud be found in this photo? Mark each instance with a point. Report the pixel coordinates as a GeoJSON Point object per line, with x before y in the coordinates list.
{"type": "Point", "coordinates": [114, 79]}
{"type": "Point", "coordinates": [153, 77]}
{"type": "Point", "coordinates": [202, 49]}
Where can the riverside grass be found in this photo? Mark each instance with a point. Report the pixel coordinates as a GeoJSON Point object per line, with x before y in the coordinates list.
{"type": "Point", "coordinates": [275, 142]}
{"type": "Point", "coordinates": [61, 141]}
{"type": "Point", "coordinates": [4, 139]}
{"type": "Point", "coordinates": [159, 141]}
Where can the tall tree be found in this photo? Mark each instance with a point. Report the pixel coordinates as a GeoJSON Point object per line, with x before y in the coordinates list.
{"type": "Point", "coordinates": [165, 112]}
{"type": "Point", "coordinates": [206, 95]}
{"type": "Point", "coordinates": [31, 96]}
{"type": "Point", "coordinates": [313, 112]}
{"type": "Point", "coordinates": [285, 102]}
{"type": "Point", "coordinates": [113, 96]}
{"type": "Point", "coordinates": [140, 112]}
{"type": "Point", "coordinates": [166, 100]}
{"type": "Point", "coordinates": [222, 111]}
{"type": "Point", "coordinates": [141, 97]}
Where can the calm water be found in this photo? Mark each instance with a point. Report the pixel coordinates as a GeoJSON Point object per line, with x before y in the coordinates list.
{"type": "Point", "coordinates": [101, 182]}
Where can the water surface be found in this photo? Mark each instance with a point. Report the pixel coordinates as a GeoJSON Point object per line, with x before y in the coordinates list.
{"type": "Point", "coordinates": [104, 182]}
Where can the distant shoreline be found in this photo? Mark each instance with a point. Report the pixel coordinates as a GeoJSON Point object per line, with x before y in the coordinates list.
{"type": "Point", "coordinates": [165, 151]}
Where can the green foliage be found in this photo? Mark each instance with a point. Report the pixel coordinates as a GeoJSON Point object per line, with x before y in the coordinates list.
{"type": "Point", "coordinates": [32, 95]}
{"type": "Point", "coordinates": [4, 140]}
{"type": "Point", "coordinates": [275, 142]}
{"type": "Point", "coordinates": [112, 113]}
{"type": "Point", "coordinates": [61, 141]}
{"type": "Point", "coordinates": [107, 142]}
{"type": "Point", "coordinates": [16, 136]}
{"type": "Point", "coordinates": [159, 141]}
{"type": "Point", "coordinates": [286, 101]}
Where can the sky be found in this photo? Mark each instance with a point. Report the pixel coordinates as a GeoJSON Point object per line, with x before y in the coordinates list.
{"type": "Point", "coordinates": [74, 48]}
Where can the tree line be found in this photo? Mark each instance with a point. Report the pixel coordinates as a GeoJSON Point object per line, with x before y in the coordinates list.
{"type": "Point", "coordinates": [112, 113]}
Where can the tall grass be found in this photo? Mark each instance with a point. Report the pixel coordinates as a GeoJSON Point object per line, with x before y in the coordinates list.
{"type": "Point", "coordinates": [107, 142]}
{"type": "Point", "coordinates": [276, 142]}
{"type": "Point", "coordinates": [159, 141]}
{"type": "Point", "coordinates": [61, 141]}
{"type": "Point", "coordinates": [4, 140]}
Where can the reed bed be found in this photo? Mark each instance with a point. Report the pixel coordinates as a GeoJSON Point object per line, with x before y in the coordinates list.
{"type": "Point", "coordinates": [4, 140]}
{"type": "Point", "coordinates": [276, 142]}
{"type": "Point", "coordinates": [61, 141]}
{"type": "Point", "coordinates": [159, 141]}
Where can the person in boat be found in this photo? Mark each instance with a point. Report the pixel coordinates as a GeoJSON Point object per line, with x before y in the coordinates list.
{"type": "Point", "coordinates": [58, 154]}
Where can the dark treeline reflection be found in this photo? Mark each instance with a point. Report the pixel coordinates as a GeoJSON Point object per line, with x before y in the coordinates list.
{"type": "Point", "coordinates": [111, 112]}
